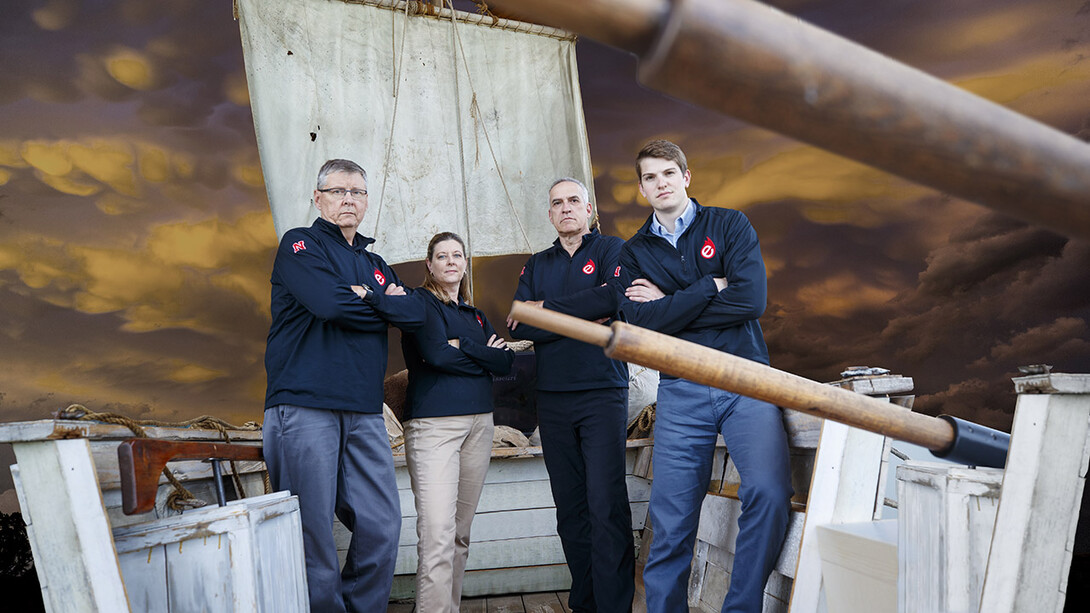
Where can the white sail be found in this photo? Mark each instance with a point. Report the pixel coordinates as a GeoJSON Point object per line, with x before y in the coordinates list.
{"type": "Point", "coordinates": [461, 124]}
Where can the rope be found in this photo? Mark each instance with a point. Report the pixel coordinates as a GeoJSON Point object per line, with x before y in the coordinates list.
{"type": "Point", "coordinates": [393, 113]}
{"type": "Point", "coordinates": [179, 498]}
{"type": "Point", "coordinates": [643, 423]}
{"type": "Point", "coordinates": [475, 110]}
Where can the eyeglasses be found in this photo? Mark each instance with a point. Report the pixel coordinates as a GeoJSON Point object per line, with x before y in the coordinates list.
{"type": "Point", "coordinates": [339, 192]}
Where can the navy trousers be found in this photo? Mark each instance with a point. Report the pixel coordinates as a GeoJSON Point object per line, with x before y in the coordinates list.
{"type": "Point", "coordinates": [688, 417]}
{"type": "Point", "coordinates": [339, 462]}
{"type": "Point", "coordinates": [583, 439]}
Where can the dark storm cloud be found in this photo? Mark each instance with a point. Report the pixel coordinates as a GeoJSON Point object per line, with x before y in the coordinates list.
{"type": "Point", "coordinates": [171, 57]}
{"type": "Point", "coordinates": [972, 258]}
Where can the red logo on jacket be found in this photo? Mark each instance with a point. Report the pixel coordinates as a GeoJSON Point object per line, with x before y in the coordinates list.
{"type": "Point", "coordinates": [708, 250]}
{"type": "Point", "coordinates": [380, 277]}
{"type": "Point", "coordinates": [480, 321]}
{"type": "Point", "coordinates": [588, 268]}
{"type": "Point", "coordinates": [297, 247]}
{"type": "Point", "coordinates": [617, 273]}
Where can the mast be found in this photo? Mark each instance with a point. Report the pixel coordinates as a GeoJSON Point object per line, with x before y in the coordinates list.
{"type": "Point", "coordinates": [771, 69]}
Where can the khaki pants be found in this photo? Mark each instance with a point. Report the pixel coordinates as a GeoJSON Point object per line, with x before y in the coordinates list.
{"type": "Point", "coordinates": [447, 458]}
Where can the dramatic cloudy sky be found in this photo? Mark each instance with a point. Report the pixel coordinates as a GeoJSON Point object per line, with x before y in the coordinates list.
{"type": "Point", "coordinates": [136, 241]}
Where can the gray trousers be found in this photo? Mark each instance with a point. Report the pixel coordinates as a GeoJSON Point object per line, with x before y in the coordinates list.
{"type": "Point", "coordinates": [339, 462]}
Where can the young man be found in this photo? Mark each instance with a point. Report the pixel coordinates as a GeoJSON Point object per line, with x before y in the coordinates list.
{"type": "Point", "coordinates": [582, 403]}
{"type": "Point", "coordinates": [696, 273]}
{"type": "Point", "coordinates": [324, 435]}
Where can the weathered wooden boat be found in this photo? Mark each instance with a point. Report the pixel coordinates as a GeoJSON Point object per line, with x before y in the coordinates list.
{"type": "Point", "coordinates": [87, 556]}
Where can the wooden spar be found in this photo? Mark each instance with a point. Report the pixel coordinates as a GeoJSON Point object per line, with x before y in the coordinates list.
{"type": "Point", "coordinates": [717, 369]}
{"type": "Point", "coordinates": [773, 70]}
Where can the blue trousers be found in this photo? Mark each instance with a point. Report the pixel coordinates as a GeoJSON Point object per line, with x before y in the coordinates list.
{"type": "Point", "coordinates": [687, 419]}
{"type": "Point", "coordinates": [583, 440]}
{"type": "Point", "coordinates": [339, 462]}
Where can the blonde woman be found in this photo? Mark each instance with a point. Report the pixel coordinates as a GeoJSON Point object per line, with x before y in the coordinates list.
{"type": "Point", "coordinates": [448, 427]}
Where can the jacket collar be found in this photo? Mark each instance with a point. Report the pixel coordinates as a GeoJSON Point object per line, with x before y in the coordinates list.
{"type": "Point", "coordinates": [645, 229]}
{"type": "Point", "coordinates": [594, 233]}
{"type": "Point", "coordinates": [359, 242]}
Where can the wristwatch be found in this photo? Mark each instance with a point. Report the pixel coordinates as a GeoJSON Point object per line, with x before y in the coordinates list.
{"type": "Point", "coordinates": [368, 293]}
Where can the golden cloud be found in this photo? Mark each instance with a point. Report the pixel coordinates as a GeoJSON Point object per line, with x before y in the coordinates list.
{"type": "Point", "coordinates": [627, 226]}
{"type": "Point", "coordinates": [154, 163]}
{"type": "Point", "coordinates": [5, 176]}
{"type": "Point", "coordinates": [110, 163]}
{"type": "Point", "coordinates": [842, 295]}
{"type": "Point", "coordinates": [115, 204]}
{"type": "Point", "coordinates": [50, 158]}
{"type": "Point", "coordinates": [193, 373]}
{"type": "Point", "coordinates": [73, 185]}
{"type": "Point", "coordinates": [211, 244]}
{"type": "Point", "coordinates": [248, 172]}
{"type": "Point", "coordinates": [10, 154]}
{"type": "Point", "coordinates": [958, 37]}
{"type": "Point", "coordinates": [130, 68]}
{"type": "Point", "coordinates": [55, 15]}
{"type": "Point", "coordinates": [823, 182]}
{"type": "Point", "coordinates": [236, 90]}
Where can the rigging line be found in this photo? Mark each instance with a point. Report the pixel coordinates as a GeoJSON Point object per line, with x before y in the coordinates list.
{"type": "Point", "coordinates": [461, 146]}
{"type": "Point", "coordinates": [393, 115]}
{"type": "Point", "coordinates": [484, 128]}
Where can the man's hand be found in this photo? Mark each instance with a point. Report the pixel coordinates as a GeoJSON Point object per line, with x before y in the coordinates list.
{"type": "Point", "coordinates": [395, 290]}
{"type": "Point", "coordinates": [720, 283]}
{"type": "Point", "coordinates": [643, 290]}
{"type": "Point", "coordinates": [512, 324]}
{"type": "Point", "coordinates": [453, 342]}
{"type": "Point", "coordinates": [360, 291]}
{"type": "Point", "coordinates": [497, 342]}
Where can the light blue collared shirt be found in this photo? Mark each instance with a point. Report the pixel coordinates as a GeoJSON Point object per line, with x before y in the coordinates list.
{"type": "Point", "coordinates": [680, 225]}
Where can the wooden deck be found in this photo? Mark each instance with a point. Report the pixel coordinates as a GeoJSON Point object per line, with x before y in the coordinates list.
{"type": "Point", "coordinates": [541, 602]}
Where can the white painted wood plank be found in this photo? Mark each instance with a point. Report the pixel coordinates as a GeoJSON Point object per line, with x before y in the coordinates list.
{"type": "Point", "coordinates": [35, 549]}
{"type": "Point", "coordinates": [842, 490]}
{"type": "Point", "coordinates": [718, 528]}
{"type": "Point", "coordinates": [57, 429]}
{"type": "Point", "coordinates": [859, 566]}
{"type": "Point", "coordinates": [71, 531]}
{"type": "Point", "coordinates": [145, 572]}
{"type": "Point", "coordinates": [1039, 503]}
{"type": "Point", "coordinates": [946, 516]}
{"type": "Point", "coordinates": [199, 575]}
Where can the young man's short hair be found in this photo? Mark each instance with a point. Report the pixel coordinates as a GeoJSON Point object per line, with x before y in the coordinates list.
{"type": "Point", "coordinates": [662, 149]}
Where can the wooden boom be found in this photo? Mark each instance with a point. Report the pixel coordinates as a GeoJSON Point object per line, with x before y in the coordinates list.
{"type": "Point", "coordinates": [771, 69]}
{"type": "Point", "coordinates": [722, 370]}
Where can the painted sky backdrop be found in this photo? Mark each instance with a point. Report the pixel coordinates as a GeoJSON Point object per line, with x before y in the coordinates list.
{"type": "Point", "coordinates": [136, 241]}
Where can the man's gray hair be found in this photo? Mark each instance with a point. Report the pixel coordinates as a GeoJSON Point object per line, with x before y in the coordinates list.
{"type": "Point", "coordinates": [340, 165]}
{"type": "Point", "coordinates": [586, 193]}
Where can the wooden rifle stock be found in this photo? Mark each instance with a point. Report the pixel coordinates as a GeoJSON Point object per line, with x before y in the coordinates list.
{"type": "Point", "coordinates": [141, 461]}
{"type": "Point", "coordinates": [707, 366]}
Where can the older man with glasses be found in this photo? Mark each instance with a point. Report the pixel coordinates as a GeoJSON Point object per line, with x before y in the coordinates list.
{"type": "Point", "coordinates": [324, 434]}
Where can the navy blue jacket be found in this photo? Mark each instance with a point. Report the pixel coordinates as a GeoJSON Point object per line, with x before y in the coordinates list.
{"type": "Point", "coordinates": [719, 243]}
{"type": "Point", "coordinates": [446, 380]}
{"type": "Point", "coordinates": [327, 347]}
{"type": "Point", "coordinates": [573, 285]}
